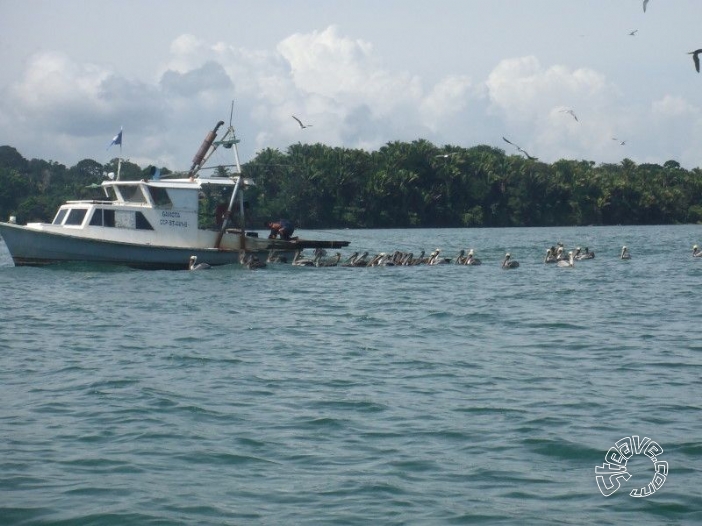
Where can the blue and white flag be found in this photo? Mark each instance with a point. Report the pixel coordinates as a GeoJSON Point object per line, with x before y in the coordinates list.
{"type": "Point", "coordinates": [117, 139]}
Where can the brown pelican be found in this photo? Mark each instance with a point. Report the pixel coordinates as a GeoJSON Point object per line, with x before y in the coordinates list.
{"type": "Point", "coordinates": [379, 260]}
{"type": "Point", "coordinates": [360, 261]}
{"type": "Point", "coordinates": [520, 149]}
{"type": "Point", "coordinates": [328, 262]}
{"type": "Point", "coordinates": [550, 258]}
{"type": "Point", "coordinates": [194, 265]}
{"type": "Point", "coordinates": [645, 3]}
{"type": "Point", "coordinates": [471, 259]}
{"type": "Point", "coordinates": [625, 253]}
{"type": "Point", "coordinates": [300, 261]}
{"type": "Point", "coordinates": [696, 58]}
{"type": "Point", "coordinates": [508, 262]}
{"type": "Point", "coordinates": [349, 261]}
{"type": "Point", "coordinates": [585, 255]}
{"type": "Point", "coordinates": [696, 252]}
{"type": "Point", "coordinates": [252, 262]}
{"type": "Point", "coordinates": [633, 33]}
{"type": "Point", "coordinates": [421, 259]}
{"type": "Point", "coordinates": [461, 258]}
{"type": "Point", "coordinates": [434, 259]}
{"type": "Point", "coordinates": [303, 126]}
{"type": "Point", "coordinates": [567, 263]}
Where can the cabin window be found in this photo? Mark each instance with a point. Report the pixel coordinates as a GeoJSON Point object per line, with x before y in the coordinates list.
{"type": "Point", "coordinates": [160, 197]}
{"type": "Point", "coordinates": [132, 194]}
{"type": "Point", "coordinates": [76, 216]}
{"type": "Point", "coordinates": [103, 217]}
{"type": "Point", "coordinates": [59, 217]}
{"type": "Point", "coordinates": [96, 220]}
{"type": "Point", "coordinates": [142, 223]}
{"type": "Point", "coordinates": [108, 217]}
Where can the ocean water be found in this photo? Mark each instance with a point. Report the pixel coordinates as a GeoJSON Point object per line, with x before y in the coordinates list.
{"type": "Point", "coordinates": [396, 395]}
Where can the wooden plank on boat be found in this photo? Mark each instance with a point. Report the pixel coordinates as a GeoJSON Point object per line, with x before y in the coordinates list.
{"type": "Point", "coordinates": [315, 243]}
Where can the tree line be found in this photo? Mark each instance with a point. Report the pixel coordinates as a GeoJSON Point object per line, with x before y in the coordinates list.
{"type": "Point", "coordinates": [400, 185]}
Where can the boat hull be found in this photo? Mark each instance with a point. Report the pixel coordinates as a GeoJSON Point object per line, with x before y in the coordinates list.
{"type": "Point", "coordinates": [32, 247]}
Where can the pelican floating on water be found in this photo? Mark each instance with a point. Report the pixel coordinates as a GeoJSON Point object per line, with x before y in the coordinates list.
{"type": "Point", "coordinates": [252, 262]}
{"type": "Point", "coordinates": [434, 259]}
{"type": "Point", "coordinates": [567, 263]}
{"type": "Point", "coordinates": [194, 265]}
{"type": "Point", "coordinates": [585, 255]}
{"type": "Point", "coordinates": [696, 252]}
{"type": "Point", "coordinates": [625, 253]}
{"type": "Point", "coordinates": [461, 258]}
{"type": "Point", "coordinates": [508, 262]}
{"type": "Point", "coordinates": [471, 259]}
{"type": "Point", "coordinates": [301, 261]}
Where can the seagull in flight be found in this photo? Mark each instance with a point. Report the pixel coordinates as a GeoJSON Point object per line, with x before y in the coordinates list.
{"type": "Point", "coordinates": [302, 126]}
{"type": "Point", "coordinates": [571, 112]}
{"type": "Point", "coordinates": [696, 58]}
{"type": "Point", "coordinates": [633, 33]}
{"type": "Point", "coordinates": [520, 149]}
{"type": "Point", "coordinates": [645, 3]}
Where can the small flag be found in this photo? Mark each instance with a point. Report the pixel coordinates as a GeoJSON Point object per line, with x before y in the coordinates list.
{"type": "Point", "coordinates": [117, 139]}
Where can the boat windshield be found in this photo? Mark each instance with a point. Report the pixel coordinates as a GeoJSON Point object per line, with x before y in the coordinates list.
{"type": "Point", "coordinates": [160, 197]}
{"type": "Point", "coordinates": [59, 216]}
{"type": "Point", "coordinates": [76, 216]}
{"type": "Point", "coordinates": [131, 193]}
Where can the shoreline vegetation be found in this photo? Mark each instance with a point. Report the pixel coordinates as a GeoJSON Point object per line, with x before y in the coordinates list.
{"type": "Point", "coordinates": [401, 185]}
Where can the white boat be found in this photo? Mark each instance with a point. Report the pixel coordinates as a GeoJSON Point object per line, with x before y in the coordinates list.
{"type": "Point", "coordinates": [153, 223]}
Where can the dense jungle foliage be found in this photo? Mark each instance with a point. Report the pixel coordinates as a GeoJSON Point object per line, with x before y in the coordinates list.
{"type": "Point", "coordinates": [400, 185]}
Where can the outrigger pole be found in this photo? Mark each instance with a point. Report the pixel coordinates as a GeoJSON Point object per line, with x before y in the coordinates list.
{"type": "Point", "coordinates": [202, 154]}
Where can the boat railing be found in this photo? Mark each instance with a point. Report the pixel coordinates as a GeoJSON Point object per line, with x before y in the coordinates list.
{"type": "Point", "coordinates": [89, 202]}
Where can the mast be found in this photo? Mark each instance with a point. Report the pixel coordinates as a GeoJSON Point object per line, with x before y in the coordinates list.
{"type": "Point", "coordinates": [229, 140]}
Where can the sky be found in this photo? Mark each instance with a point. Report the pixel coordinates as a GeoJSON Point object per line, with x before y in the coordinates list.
{"type": "Point", "coordinates": [363, 73]}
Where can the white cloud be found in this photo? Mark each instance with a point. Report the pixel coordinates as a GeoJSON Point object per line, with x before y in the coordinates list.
{"type": "Point", "coordinates": [449, 97]}
{"type": "Point", "coordinates": [671, 106]}
{"type": "Point", "coordinates": [52, 78]}
{"type": "Point", "coordinates": [522, 89]}
{"type": "Point", "coordinates": [337, 83]}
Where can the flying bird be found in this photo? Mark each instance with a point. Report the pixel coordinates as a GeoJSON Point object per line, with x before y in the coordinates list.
{"type": "Point", "coordinates": [621, 143]}
{"type": "Point", "coordinates": [520, 149]}
{"type": "Point", "coordinates": [633, 33]}
{"type": "Point", "coordinates": [571, 112]}
{"type": "Point", "coordinates": [303, 126]}
{"type": "Point", "coordinates": [696, 58]}
{"type": "Point", "coordinates": [645, 3]}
